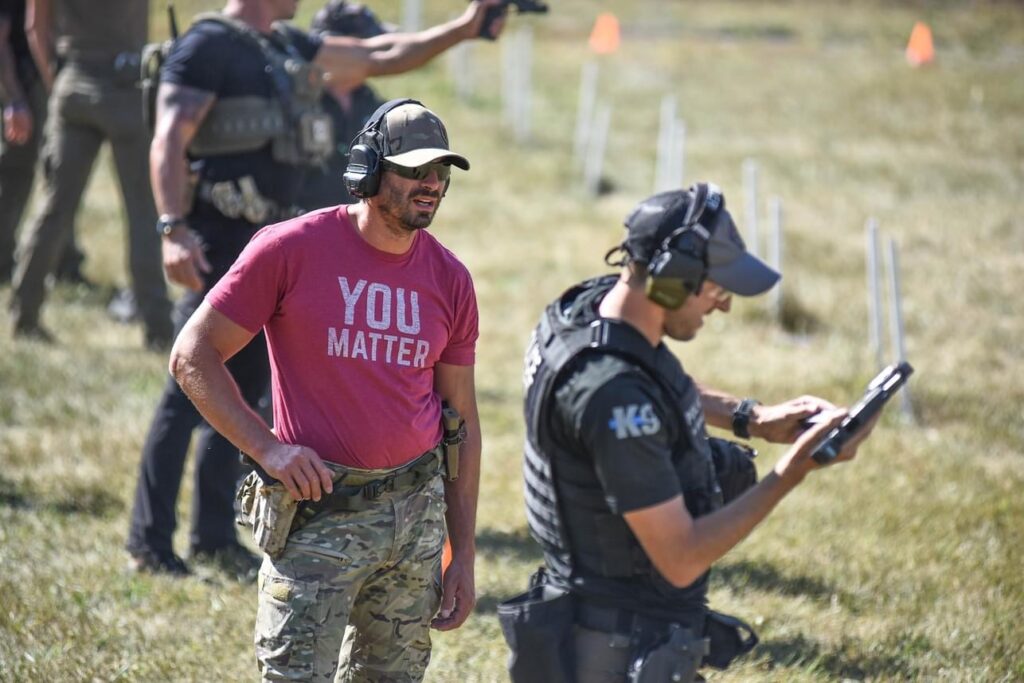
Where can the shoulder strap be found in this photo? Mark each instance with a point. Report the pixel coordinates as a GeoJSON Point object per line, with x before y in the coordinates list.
{"type": "Point", "coordinates": [276, 60]}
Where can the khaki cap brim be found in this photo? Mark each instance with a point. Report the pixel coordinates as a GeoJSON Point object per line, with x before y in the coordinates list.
{"type": "Point", "coordinates": [419, 157]}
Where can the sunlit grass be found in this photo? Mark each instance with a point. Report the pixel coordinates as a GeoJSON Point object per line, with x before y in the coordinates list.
{"type": "Point", "coordinates": [904, 565]}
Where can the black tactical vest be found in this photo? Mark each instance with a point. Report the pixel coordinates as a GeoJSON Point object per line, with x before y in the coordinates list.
{"type": "Point", "coordinates": [583, 541]}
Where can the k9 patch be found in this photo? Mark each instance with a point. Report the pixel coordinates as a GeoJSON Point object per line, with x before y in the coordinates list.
{"type": "Point", "coordinates": [634, 420]}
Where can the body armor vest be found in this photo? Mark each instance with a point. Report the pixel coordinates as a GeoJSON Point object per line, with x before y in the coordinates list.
{"type": "Point", "coordinates": [582, 539]}
{"type": "Point", "coordinates": [293, 122]}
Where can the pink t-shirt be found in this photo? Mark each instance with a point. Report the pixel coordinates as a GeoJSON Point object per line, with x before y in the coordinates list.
{"type": "Point", "coordinates": [354, 334]}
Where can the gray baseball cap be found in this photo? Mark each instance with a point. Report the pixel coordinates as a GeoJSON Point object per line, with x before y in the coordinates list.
{"type": "Point", "coordinates": [415, 136]}
{"type": "Point", "coordinates": [729, 263]}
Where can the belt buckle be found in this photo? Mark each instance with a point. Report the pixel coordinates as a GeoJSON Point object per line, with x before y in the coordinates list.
{"type": "Point", "coordinates": [376, 488]}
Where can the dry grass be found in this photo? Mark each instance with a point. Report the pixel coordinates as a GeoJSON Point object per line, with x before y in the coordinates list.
{"type": "Point", "coordinates": [902, 566]}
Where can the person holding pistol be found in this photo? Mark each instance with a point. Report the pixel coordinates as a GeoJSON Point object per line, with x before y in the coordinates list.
{"type": "Point", "coordinates": [370, 324]}
{"type": "Point", "coordinates": [629, 499]}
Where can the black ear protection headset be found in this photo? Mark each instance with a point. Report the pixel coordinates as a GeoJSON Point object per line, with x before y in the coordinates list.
{"type": "Point", "coordinates": [365, 157]}
{"type": "Point", "coordinates": [678, 266]}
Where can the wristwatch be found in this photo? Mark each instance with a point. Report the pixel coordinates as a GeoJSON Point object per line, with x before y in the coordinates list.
{"type": "Point", "coordinates": [741, 417]}
{"type": "Point", "coordinates": [167, 223]}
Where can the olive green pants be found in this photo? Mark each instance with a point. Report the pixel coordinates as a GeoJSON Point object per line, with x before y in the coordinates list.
{"type": "Point", "coordinates": [87, 108]}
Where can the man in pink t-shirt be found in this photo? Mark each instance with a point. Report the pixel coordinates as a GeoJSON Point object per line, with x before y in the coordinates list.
{"type": "Point", "coordinates": [370, 323]}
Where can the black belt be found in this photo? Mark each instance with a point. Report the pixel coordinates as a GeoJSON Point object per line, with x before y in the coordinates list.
{"type": "Point", "coordinates": [626, 622]}
{"type": "Point", "coordinates": [360, 496]}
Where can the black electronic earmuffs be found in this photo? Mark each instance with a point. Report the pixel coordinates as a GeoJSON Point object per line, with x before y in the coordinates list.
{"type": "Point", "coordinates": [679, 265]}
{"type": "Point", "coordinates": [362, 174]}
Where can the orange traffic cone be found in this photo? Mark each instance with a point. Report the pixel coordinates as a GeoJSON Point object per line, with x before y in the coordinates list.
{"type": "Point", "coordinates": [446, 555]}
{"type": "Point", "coordinates": [604, 39]}
{"type": "Point", "coordinates": [920, 49]}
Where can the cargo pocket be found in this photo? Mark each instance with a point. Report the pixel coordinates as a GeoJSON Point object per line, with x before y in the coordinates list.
{"type": "Point", "coordinates": [287, 623]}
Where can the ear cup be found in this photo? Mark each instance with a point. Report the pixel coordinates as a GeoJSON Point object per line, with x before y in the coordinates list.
{"type": "Point", "coordinates": [678, 267]}
{"type": "Point", "coordinates": [362, 175]}
{"type": "Point", "coordinates": [677, 272]}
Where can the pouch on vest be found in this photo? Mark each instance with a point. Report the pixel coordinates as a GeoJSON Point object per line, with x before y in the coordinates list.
{"type": "Point", "coordinates": [538, 628]}
{"type": "Point", "coordinates": [730, 637]}
{"type": "Point", "coordinates": [734, 467]}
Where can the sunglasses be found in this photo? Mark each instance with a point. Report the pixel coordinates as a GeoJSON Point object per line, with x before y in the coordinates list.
{"type": "Point", "coordinates": [423, 172]}
{"type": "Point", "coordinates": [718, 293]}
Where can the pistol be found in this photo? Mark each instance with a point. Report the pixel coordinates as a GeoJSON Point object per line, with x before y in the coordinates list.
{"type": "Point", "coordinates": [522, 7]}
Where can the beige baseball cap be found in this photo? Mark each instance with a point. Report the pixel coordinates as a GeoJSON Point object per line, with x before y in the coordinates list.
{"type": "Point", "coordinates": [415, 136]}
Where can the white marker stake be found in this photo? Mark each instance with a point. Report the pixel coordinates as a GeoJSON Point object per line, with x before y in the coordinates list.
{"type": "Point", "coordinates": [899, 349]}
{"type": "Point", "coordinates": [585, 112]}
{"type": "Point", "coordinates": [524, 68]}
{"type": "Point", "coordinates": [666, 135]}
{"type": "Point", "coordinates": [595, 150]}
{"type": "Point", "coordinates": [509, 79]}
{"type": "Point", "coordinates": [678, 157]}
{"type": "Point", "coordinates": [874, 292]}
{"type": "Point", "coordinates": [775, 210]}
{"type": "Point", "coordinates": [461, 69]}
{"type": "Point", "coordinates": [750, 198]}
{"type": "Point", "coordinates": [412, 15]}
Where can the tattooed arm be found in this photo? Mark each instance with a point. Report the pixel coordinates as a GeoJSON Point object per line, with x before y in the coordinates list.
{"type": "Point", "coordinates": [180, 111]}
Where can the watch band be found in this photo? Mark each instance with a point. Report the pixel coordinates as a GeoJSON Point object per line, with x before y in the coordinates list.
{"type": "Point", "coordinates": [741, 417]}
{"type": "Point", "coordinates": [166, 223]}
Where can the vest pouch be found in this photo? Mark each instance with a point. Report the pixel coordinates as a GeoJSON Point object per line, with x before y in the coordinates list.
{"type": "Point", "coordinates": [316, 135]}
{"type": "Point", "coordinates": [127, 69]}
{"type": "Point", "coordinates": [238, 124]}
{"type": "Point", "coordinates": [734, 467]}
{"type": "Point", "coordinates": [153, 57]}
{"type": "Point", "coordinates": [730, 638]}
{"type": "Point", "coordinates": [538, 628]}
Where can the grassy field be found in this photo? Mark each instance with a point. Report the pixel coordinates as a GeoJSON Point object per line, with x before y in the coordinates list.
{"type": "Point", "coordinates": [905, 565]}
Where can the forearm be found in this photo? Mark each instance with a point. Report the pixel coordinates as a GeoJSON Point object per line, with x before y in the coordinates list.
{"type": "Point", "coordinates": [461, 495]}
{"type": "Point", "coordinates": [718, 406]}
{"type": "Point", "coordinates": [415, 49]}
{"type": "Point", "coordinates": [719, 532]}
{"type": "Point", "coordinates": [200, 371]}
{"type": "Point", "coordinates": [40, 38]}
{"type": "Point", "coordinates": [169, 173]}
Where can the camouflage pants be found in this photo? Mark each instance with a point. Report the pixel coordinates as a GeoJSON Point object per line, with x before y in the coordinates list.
{"type": "Point", "coordinates": [351, 597]}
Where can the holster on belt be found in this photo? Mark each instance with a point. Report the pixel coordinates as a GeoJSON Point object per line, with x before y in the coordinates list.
{"type": "Point", "coordinates": [268, 509]}
{"type": "Point", "coordinates": [454, 434]}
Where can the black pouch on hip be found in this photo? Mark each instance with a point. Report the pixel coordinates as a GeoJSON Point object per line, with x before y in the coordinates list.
{"type": "Point", "coordinates": [674, 658]}
{"type": "Point", "coordinates": [730, 637]}
{"type": "Point", "coordinates": [538, 628]}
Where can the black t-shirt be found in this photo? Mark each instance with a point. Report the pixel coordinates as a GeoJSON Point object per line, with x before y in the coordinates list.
{"type": "Point", "coordinates": [219, 60]}
{"type": "Point", "coordinates": [324, 186]}
{"type": "Point", "coordinates": [14, 12]}
{"type": "Point", "coordinates": [627, 430]}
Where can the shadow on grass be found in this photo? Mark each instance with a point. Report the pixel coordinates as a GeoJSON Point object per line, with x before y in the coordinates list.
{"type": "Point", "coordinates": [847, 660]}
{"type": "Point", "coordinates": [740, 576]}
{"type": "Point", "coordinates": [516, 546]}
{"type": "Point", "coordinates": [72, 499]}
{"type": "Point", "coordinates": [10, 494]}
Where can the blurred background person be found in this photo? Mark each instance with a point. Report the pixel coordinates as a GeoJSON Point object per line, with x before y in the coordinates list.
{"type": "Point", "coordinates": [23, 100]}
{"type": "Point", "coordinates": [349, 106]}
{"type": "Point", "coordinates": [89, 60]}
